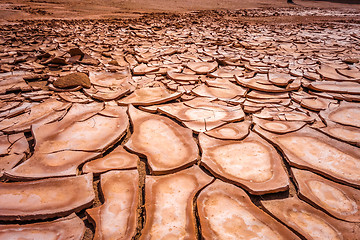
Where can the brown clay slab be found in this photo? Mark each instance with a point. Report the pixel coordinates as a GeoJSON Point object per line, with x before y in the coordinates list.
{"type": "Point", "coordinates": [336, 87]}
{"type": "Point", "coordinates": [58, 151]}
{"type": "Point", "coordinates": [201, 114]}
{"type": "Point", "coordinates": [143, 69]}
{"type": "Point", "coordinates": [346, 113]}
{"type": "Point", "coordinates": [338, 200]}
{"type": "Point", "coordinates": [70, 227]}
{"type": "Point", "coordinates": [182, 77]}
{"type": "Point", "coordinates": [280, 79]}
{"type": "Point", "coordinates": [329, 73]}
{"type": "Point", "coordinates": [350, 73]}
{"type": "Point", "coordinates": [226, 212]}
{"type": "Point", "coordinates": [46, 198]}
{"type": "Point", "coordinates": [149, 96]}
{"type": "Point", "coordinates": [45, 112]}
{"type": "Point", "coordinates": [261, 83]}
{"type": "Point", "coordinates": [109, 86]}
{"type": "Point", "coordinates": [251, 163]}
{"type": "Point", "coordinates": [231, 131]}
{"type": "Point", "coordinates": [116, 218]}
{"type": "Point", "coordinates": [220, 88]}
{"type": "Point", "coordinates": [17, 150]}
{"type": "Point", "coordinates": [279, 127]}
{"type": "Point", "coordinates": [167, 145]}
{"type": "Point", "coordinates": [202, 67]}
{"type": "Point", "coordinates": [266, 95]}
{"type": "Point", "coordinates": [312, 150]}
{"type": "Point", "coordinates": [169, 204]}
{"type": "Point", "coordinates": [342, 132]}
{"type": "Point", "coordinates": [310, 222]}
{"type": "Point", "coordinates": [118, 159]}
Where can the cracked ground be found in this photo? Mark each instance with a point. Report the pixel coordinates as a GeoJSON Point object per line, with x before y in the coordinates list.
{"type": "Point", "coordinates": [202, 125]}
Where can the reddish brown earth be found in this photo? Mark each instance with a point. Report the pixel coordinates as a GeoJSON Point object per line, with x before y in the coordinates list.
{"type": "Point", "coordinates": [142, 119]}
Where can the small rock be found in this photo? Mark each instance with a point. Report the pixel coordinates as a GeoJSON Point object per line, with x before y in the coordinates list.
{"type": "Point", "coordinates": [73, 80]}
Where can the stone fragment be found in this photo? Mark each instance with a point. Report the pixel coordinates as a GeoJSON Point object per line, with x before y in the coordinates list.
{"type": "Point", "coordinates": [314, 151]}
{"type": "Point", "coordinates": [73, 80]}
{"type": "Point", "coordinates": [118, 159]}
{"type": "Point", "coordinates": [251, 163]}
{"type": "Point", "coordinates": [167, 145]}
{"type": "Point", "coordinates": [310, 222]}
{"type": "Point", "coordinates": [169, 207]}
{"type": "Point", "coordinates": [46, 198]}
{"type": "Point", "coordinates": [338, 200]}
{"type": "Point", "coordinates": [70, 227]}
{"type": "Point", "coordinates": [116, 217]}
{"type": "Point", "coordinates": [226, 212]}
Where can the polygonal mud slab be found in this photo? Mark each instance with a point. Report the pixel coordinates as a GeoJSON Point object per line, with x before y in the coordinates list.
{"type": "Point", "coordinates": [149, 96]}
{"type": "Point", "coordinates": [118, 159]}
{"type": "Point", "coordinates": [261, 83]}
{"type": "Point", "coordinates": [70, 227]}
{"type": "Point", "coordinates": [342, 132]}
{"type": "Point", "coordinates": [143, 69]}
{"type": "Point", "coordinates": [58, 151]}
{"type": "Point", "coordinates": [202, 114]}
{"type": "Point", "coordinates": [14, 149]}
{"type": "Point", "coordinates": [231, 131]}
{"type": "Point", "coordinates": [46, 198]}
{"type": "Point", "coordinates": [336, 87]}
{"type": "Point", "coordinates": [182, 77]}
{"type": "Point", "coordinates": [312, 150]}
{"type": "Point", "coordinates": [167, 145]}
{"type": "Point", "coordinates": [267, 95]}
{"type": "Point", "coordinates": [116, 218]}
{"type": "Point", "coordinates": [346, 113]}
{"type": "Point", "coordinates": [288, 116]}
{"type": "Point", "coordinates": [251, 163]}
{"type": "Point", "coordinates": [109, 86]}
{"type": "Point", "coordinates": [169, 204]}
{"type": "Point", "coordinates": [311, 102]}
{"type": "Point", "coordinates": [338, 200]}
{"type": "Point", "coordinates": [280, 79]}
{"type": "Point", "coordinates": [48, 111]}
{"type": "Point", "coordinates": [329, 73]}
{"type": "Point", "coordinates": [202, 67]}
{"type": "Point", "coordinates": [226, 212]}
{"type": "Point", "coordinates": [310, 222]}
{"type": "Point", "coordinates": [279, 127]}
{"type": "Point", "coordinates": [219, 88]}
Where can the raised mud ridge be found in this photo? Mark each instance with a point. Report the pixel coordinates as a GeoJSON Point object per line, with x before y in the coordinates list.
{"type": "Point", "coordinates": [180, 126]}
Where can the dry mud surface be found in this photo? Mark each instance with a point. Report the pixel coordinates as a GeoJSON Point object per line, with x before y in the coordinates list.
{"type": "Point", "coordinates": [201, 125]}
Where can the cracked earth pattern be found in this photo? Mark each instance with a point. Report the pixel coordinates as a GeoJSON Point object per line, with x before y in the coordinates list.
{"type": "Point", "coordinates": [180, 126]}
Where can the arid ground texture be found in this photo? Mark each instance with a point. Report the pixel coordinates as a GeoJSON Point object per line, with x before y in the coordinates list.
{"type": "Point", "coordinates": [142, 119]}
